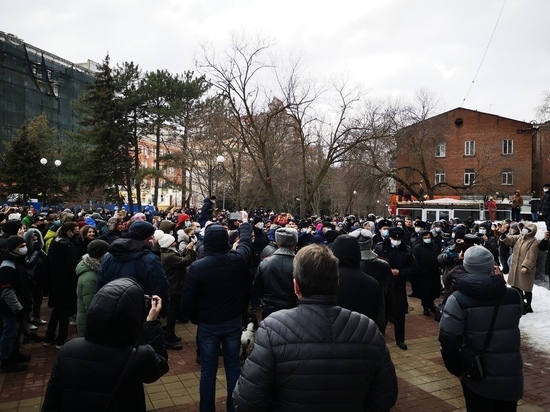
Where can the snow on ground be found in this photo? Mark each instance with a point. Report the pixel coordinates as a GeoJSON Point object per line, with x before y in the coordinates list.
{"type": "Point", "coordinates": [535, 327]}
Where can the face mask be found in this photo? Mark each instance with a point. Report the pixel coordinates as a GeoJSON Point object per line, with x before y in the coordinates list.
{"type": "Point", "coordinates": [523, 232]}
{"type": "Point", "coordinates": [417, 229]}
{"type": "Point", "coordinates": [187, 224]}
{"type": "Point", "coordinates": [437, 229]}
{"type": "Point", "coordinates": [395, 242]}
{"type": "Point", "coordinates": [260, 225]}
{"type": "Point", "coordinates": [453, 235]}
{"type": "Point", "coordinates": [482, 231]}
{"type": "Point", "coordinates": [545, 189]}
{"type": "Point", "coordinates": [385, 233]}
{"type": "Point", "coordinates": [197, 232]}
{"type": "Point", "coordinates": [57, 222]}
{"type": "Point", "coordinates": [22, 251]}
{"type": "Point", "coordinates": [427, 241]}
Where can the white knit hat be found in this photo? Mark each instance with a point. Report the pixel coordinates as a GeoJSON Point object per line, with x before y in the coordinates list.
{"type": "Point", "coordinates": [166, 241]}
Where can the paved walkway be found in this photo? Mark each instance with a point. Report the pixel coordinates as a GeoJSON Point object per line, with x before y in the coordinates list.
{"type": "Point", "coordinates": [424, 383]}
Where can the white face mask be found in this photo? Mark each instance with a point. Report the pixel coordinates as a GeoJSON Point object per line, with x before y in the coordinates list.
{"type": "Point", "coordinates": [395, 242]}
{"type": "Point", "coordinates": [437, 229]}
{"type": "Point", "coordinates": [523, 232]}
{"type": "Point", "coordinates": [417, 229]}
{"type": "Point", "coordinates": [23, 251]}
{"type": "Point", "coordinates": [545, 189]}
{"type": "Point", "coordinates": [427, 241]}
{"type": "Point", "coordinates": [385, 233]}
{"type": "Point", "coordinates": [260, 225]}
{"type": "Point", "coordinates": [482, 231]}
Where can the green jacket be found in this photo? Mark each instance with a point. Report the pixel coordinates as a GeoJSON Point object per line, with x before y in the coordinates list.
{"type": "Point", "coordinates": [86, 287]}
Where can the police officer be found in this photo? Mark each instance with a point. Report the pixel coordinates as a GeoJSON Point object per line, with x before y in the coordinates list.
{"type": "Point", "coordinates": [402, 264]}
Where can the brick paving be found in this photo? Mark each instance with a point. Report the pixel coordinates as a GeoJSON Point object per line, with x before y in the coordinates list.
{"type": "Point", "coordinates": [424, 383]}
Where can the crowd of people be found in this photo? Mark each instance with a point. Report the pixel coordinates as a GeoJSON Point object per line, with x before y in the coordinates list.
{"type": "Point", "coordinates": [320, 285]}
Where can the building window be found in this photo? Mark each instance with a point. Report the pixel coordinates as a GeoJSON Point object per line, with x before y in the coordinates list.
{"type": "Point", "coordinates": [469, 177]}
{"type": "Point", "coordinates": [507, 177]}
{"type": "Point", "coordinates": [439, 176]}
{"type": "Point", "coordinates": [507, 147]}
{"type": "Point", "coordinates": [469, 148]}
{"type": "Point", "coordinates": [441, 149]}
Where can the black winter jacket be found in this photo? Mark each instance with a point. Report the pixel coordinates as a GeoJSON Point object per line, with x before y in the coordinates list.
{"type": "Point", "coordinates": [381, 271]}
{"type": "Point", "coordinates": [63, 256]}
{"type": "Point", "coordinates": [317, 357]}
{"type": "Point", "coordinates": [214, 288]}
{"type": "Point", "coordinates": [274, 282]}
{"type": "Point", "coordinates": [464, 323]}
{"type": "Point", "coordinates": [86, 370]}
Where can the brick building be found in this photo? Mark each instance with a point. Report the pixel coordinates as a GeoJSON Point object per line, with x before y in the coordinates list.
{"type": "Point", "coordinates": [469, 153]}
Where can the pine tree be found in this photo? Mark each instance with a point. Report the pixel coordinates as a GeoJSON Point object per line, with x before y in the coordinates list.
{"type": "Point", "coordinates": [20, 168]}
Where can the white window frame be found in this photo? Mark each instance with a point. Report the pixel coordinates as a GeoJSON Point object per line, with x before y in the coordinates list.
{"type": "Point", "coordinates": [441, 149]}
{"type": "Point", "coordinates": [440, 176]}
{"type": "Point", "coordinates": [507, 177]}
{"type": "Point", "coordinates": [469, 177]}
{"type": "Point", "coordinates": [507, 147]}
{"type": "Point", "coordinates": [470, 148]}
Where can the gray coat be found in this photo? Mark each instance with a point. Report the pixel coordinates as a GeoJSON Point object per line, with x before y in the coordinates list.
{"type": "Point", "coordinates": [464, 323]}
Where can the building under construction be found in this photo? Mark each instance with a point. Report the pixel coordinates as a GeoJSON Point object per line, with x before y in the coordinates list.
{"type": "Point", "coordinates": [35, 82]}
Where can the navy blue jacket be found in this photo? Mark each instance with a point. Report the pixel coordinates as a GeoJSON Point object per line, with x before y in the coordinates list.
{"type": "Point", "coordinates": [128, 258]}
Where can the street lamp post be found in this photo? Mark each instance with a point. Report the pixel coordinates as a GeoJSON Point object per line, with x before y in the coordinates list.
{"type": "Point", "coordinates": [57, 163]}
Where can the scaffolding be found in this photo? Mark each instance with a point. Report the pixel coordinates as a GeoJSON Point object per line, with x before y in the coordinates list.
{"type": "Point", "coordinates": [34, 82]}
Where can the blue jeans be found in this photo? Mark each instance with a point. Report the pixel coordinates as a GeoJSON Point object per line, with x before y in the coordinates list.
{"type": "Point", "coordinates": [9, 336]}
{"type": "Point", "coordinates": [210, 336]}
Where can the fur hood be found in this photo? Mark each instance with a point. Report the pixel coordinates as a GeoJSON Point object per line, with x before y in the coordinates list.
{"type": "Point", "coordinates": [29, 234]}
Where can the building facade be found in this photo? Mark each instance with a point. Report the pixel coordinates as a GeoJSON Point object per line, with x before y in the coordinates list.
{"type": "Point", "coordinates": [471, 154]}
{"type": "Point", "coordinates": [35, 82]}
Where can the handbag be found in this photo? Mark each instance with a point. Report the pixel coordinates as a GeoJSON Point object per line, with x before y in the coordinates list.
{"type": "Point", "coordinates": [472, 359]}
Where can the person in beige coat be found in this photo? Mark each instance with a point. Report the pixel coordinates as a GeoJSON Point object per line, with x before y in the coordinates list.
{"type": "Point", "coordinates": [524, 261]}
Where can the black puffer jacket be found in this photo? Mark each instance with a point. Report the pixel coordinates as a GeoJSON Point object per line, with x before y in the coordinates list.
{"type": "Point", "coordinates": [317, 357]}
{"type": "Point", "coordinates": [87, 370]}
{"type": "Point", "coordinates": [465, 321]}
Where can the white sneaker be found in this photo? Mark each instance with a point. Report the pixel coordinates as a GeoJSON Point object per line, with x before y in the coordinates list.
{"type": "Point", "coordinates": [32, 327]}
{"type": "Point", "coordinates": [38, 321]}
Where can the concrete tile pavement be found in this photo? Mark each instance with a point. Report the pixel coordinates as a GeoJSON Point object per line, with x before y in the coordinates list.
{"type": "Point", "coordinates": [424, 383]}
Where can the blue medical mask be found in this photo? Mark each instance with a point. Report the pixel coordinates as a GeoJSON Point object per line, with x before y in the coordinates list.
{"type": "Point", "coordinates": [427, 241]}
{"type": "Point", "coordinates": [385, 233]}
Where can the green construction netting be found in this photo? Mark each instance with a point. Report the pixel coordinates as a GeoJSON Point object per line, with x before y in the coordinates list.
{"type": "Point", "coordinates": [32, 82]}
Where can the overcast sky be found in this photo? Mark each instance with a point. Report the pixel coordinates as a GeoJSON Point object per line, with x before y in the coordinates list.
{"type": "Point", "coordinates": [392, 47]}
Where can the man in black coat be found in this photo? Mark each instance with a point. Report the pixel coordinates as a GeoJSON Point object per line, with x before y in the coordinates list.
{"type": "Point", "coordinates": [273, 281]}
{"type": "Point", "coordinates": [380, 270]}
{"type": "Point", "coordinates": [213, 296]}
{"type": "Point", "coordinates": [402, 264]}
{"type": "Point", "coordinates": [429, 275]}
{"type": "Point", "coordinates": [344, 363]}
{"type": "Point", "coordinates": [356, 291]}
{"type": "Point", "coordinates": [63, 257]}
